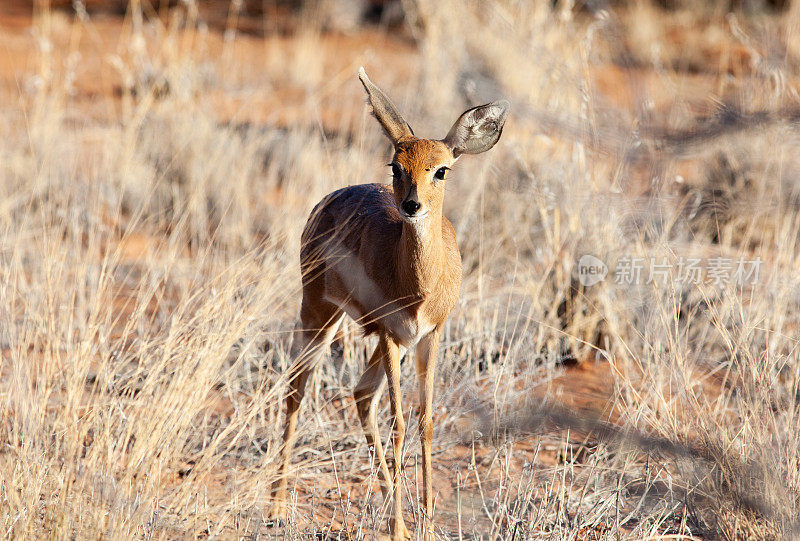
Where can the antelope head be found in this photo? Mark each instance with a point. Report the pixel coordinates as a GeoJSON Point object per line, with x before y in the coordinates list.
{"type": "Point", "coordinates": [420, 166]}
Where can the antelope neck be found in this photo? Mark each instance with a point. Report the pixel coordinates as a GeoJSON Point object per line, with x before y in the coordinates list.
{"type": "Point", "coordinates": [420, 252]}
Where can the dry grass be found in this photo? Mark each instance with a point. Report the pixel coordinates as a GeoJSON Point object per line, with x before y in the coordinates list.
{"type": "Point", "coordinates": [154, 179]}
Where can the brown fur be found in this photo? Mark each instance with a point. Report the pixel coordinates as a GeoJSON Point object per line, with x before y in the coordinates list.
{"type": "Point", "coordinates": [416, 275]}
{"type": "Point", "coordinates": [400, 279]}
{"type": "Point", "coordinates": [388, 257]}
{"type": "Point", "coordinates": [418, 270]}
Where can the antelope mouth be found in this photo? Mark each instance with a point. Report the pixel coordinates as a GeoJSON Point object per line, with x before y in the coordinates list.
{"type": "Point", "coordinates": [415, 218]}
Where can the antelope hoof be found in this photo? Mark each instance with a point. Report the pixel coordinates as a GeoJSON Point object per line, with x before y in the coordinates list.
{"type": "Point", "coordinates": [277, 515]}
{"type": "Point", "coordinates": [400, 532]}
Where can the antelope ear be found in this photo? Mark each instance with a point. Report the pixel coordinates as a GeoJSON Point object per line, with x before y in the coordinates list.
{"type": "Point", "coordinates": [477, 129]}
{"type": "Point", "coordinates": [384, 110]}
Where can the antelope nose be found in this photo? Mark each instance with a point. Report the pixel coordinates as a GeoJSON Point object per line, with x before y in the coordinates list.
{"type": "Point", "coordinates": [410, 206]}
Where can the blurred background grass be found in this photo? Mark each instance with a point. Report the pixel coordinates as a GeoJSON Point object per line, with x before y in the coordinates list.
{"type": "Point", "coordinates": [158, 163]}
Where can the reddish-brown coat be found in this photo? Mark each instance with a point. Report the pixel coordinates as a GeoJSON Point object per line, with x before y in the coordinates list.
{"type": "Point", "coordinates": [411, 272]}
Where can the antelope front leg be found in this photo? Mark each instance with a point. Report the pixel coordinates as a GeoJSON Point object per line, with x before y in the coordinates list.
{"type": "Point", "coordinates": [426, 367]}
{"type": "Point", "coordinates": [367, 394]}
{"type": "Point", "coordinates": [391, 363]}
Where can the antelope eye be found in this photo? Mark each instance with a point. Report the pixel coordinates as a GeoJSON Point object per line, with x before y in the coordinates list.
{"type": "Point", "coordinates": [396, 171]}
{"type": "Point", "coordinates": [441, 172]}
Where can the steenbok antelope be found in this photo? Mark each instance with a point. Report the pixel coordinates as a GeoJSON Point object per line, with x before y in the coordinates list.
{"type": "Point", "coordinates": [385, 256]}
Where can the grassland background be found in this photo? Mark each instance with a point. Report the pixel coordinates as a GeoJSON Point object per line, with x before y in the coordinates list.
{"type": "Point", "coordinates": [157, 165]}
